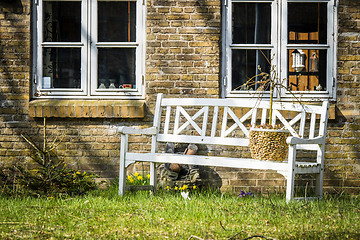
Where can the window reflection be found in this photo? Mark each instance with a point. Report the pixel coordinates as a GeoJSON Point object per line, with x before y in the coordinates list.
{"type": "Point", "coordinates": [116, 21]}
{"type": "Point", "coordinates": [247, 63]}
{"type": "Point", "coordinates": [61, 67]}
{"type": "Point", "coordinates": [62, 21]}
{"type": "Point", "coordinates": [116, 68]}
{"type": "Point", "coordinates": [307, 23]}
{"type": "Point", "coordinates": [251, 23]}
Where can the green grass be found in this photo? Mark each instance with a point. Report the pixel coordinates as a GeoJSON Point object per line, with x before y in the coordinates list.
{"type": "Point", "coordinates": [208, 215]}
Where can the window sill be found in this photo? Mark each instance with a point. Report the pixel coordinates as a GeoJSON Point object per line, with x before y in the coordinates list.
{"type": "Point", "coordinates": [87, 108]}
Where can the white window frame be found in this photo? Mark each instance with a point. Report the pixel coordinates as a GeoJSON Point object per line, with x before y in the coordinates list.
{"type": "Point", "coordinates": [279, 47]}
{"type": "Point", "coordinates": [89, 58]}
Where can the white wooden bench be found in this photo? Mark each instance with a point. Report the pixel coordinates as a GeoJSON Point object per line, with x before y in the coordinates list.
{"type": "Point", "coordinates": [225, 122]}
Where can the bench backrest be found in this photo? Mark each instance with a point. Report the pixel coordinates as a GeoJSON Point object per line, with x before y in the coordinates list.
{"type": "Point", "coordinates": [228, 121]}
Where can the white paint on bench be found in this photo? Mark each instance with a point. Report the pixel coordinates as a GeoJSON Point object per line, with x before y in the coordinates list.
{"type": "Point", "coordinates": [229, 120]}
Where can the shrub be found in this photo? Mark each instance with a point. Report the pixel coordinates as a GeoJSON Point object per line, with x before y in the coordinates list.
{"type": "Point", "coordinates": [47, 174]}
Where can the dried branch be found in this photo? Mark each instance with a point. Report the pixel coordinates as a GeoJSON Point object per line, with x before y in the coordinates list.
{"type": "Point", "coordinates": [223, 226]}
{"type": "Point", "coordinates": [192, 236]}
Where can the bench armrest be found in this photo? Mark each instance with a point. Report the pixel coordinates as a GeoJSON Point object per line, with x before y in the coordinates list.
{"type": "Point", "coordinates": [296, 140]}
{"type": "Point", "coordinates": [132, 130]}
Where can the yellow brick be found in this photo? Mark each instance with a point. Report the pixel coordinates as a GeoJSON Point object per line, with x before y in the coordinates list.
{"type": "Point", "coordinates": [78, 111]}
{"type": "Point", "coordinates": [86, 111]}
{"type": "Point", "coordinates": [46, 111]}
{"type": "Point", "coordinates": [32, 112]}
{"type": "Point", "coordinates": [108, 111]}
{"type": "Point", "coordinates": [212, 91]}
{"type": "Point", "coordinates": [140, 112]}
{"type": "Point", "coordinates": [101, 111]}
{"type": "Point", "coordinates": [93, 111]}
{"type": "Point", "coordinates": [39, 111]}
{"type": "Point", "coordinates": [132, 111]}
{"type": "Point", "coordinates": [70, 111]}
{"type": "Point", "coordinates": [117, 111]}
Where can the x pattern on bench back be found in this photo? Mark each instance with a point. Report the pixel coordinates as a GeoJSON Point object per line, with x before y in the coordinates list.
{"type": "Point", "coordinates": [228, 121]}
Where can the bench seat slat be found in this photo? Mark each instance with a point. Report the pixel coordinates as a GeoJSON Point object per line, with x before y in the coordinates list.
{"type": "Point", "coordinates": [207, 161]}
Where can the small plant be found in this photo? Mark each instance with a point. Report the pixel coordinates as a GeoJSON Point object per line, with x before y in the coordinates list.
{"type": "Point", "coordinates": [271, 82]}
{"type": "Point", "coordinates": [138, 179]}
{"type": "Point", "coordinates": [48, 174]}
{"type": "Point", "coordinates": [182, 188]}
{"type": "Point", "coordinates": [246, 194]}
{"type": "Point", "coordinates": [268, 141]}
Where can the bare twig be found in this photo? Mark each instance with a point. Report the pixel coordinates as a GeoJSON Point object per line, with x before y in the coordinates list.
{"type": "Point", "coordinates": [192, 236]}
{"type": "Point", "coordinates": [259, 236]}
{"type": "Point", "coordinates": [223, 226]}
{"type": "Point", "coordinates": [31, 144]}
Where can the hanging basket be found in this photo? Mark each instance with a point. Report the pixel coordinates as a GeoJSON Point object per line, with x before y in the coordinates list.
{"type": "Point", "coordinates": [268, 144]}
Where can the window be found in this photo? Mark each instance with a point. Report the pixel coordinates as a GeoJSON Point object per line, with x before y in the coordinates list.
{"type": "Point", "coordinates": [296, 36]}
{"type": "Point", "coordinates": [89, 48]}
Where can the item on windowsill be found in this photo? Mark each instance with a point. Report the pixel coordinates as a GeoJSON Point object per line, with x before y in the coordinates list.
{"type": "Point", "coordinates": [318, 88]}
{"type": "Point", "coordinates": [314, 63]}
{"type": "Point", "coordinates": [112, 83]}
{"type": "Point", "coordinates": [127, 86]}
{"type": "Point", "coordinates": [298, 60]}
{"type": "Point", "coordinates": [102, 86]}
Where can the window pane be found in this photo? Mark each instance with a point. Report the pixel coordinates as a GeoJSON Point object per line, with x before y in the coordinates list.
{"type": "Point", "coordinates": [61, 67]}
{"type": "Point", "coordinates": [116, 68]}
{"type": "Point", "coordinates": [307, 23]}
{"type": "Point", "coordinates": [62, 21]}
{"type": "Point", "coordinates": [308, 72]}
{"type": "Point", "coordinates": [251, 23]}
{"type": "Point", "coordinates": [116, 21]}
{"type": "Point", "coordinates": [247, 64]}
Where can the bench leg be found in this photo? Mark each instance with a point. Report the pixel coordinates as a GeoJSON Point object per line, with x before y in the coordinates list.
{"type": "Point", "coordinates": [153, 176]}
{"type": "Point", "coordinates": [122, 169]}
{"type": "Point", "coordinates": [290, 173]}
{"type": "Point", "coordinates": [319, 176]}
{"type": "Point", "coordinates": [319, 184]}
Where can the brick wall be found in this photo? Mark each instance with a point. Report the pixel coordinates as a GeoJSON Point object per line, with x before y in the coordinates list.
{"type": "Point", "coordinates": [183, 48]}
{"type": "Point", "coordinates": [183, 55]}
{"type": "Point", "coordinates": [343, 145]}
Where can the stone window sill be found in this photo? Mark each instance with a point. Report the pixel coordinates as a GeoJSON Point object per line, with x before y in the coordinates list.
{"type": "Point", "coordinates": [87, 108]}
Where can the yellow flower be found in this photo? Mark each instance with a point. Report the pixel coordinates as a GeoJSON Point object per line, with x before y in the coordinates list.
{"type": "Point", "coordinates": [129, 177]}
{"type": "Point", "coordinates": [176, 188]}
{"type": "Point", "coordinates": [131, 180]}
{"type": "Point", "coordinates": [148, 176]}
{"type": "Point", "coordinates": [167, 187]}
{"type": "Point", "coordinates": [78, 172]}
{"type": "Point", "coordinates": [194, 187]}
{"type": "Point", "coordinates": [136, 174]}
{"type": "Point", "coordinates": [139, 178]}
{"type": "Point", "coordinates": [184, 187]}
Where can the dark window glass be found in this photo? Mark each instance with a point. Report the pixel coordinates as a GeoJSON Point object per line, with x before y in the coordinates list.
{"type": "Point", "coordinates": [116, 21]}
{"type": "Point", "coordinates": [307, 23]}
{"type": "Point", "coordinates": [62, 21]}
{"type": "Point", "coordinates": [247, 64]}
{"type": "Point", "coordinates": [116, 67]}
{"type": "Point", "coordinates": [251, 23]}
{"type": "Point", "coordinates": [61, 67]}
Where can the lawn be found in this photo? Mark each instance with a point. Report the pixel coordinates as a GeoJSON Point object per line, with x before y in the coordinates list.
{"type": "Point", "coordinates": [166, 215]}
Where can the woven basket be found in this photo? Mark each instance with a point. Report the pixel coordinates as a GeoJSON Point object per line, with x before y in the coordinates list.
{"type": "Point", "coordinates": [268, 144]}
